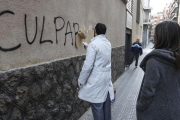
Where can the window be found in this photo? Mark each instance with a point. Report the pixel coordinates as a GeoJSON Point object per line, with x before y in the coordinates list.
{"type": "Point", "coordinates": [129, 6]}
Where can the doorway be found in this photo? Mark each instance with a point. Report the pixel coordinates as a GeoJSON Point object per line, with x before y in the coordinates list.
{"type": "Point", "coordinates": [128, 44]}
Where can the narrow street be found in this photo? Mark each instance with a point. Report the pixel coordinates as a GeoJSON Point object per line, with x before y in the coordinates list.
{"type": "Point", "coordinates": [43, 48]}
{"type": "Point", "coordinates": [127, 86]}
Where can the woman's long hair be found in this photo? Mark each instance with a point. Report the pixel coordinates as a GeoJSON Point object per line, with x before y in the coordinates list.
{"type": "Point", "coordinates": [167, 36]}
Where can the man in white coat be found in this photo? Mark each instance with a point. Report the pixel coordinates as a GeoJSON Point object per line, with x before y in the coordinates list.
{"type": "Point", "coordinates": [95, 78]}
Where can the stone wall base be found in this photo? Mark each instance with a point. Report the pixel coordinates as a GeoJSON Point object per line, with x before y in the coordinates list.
{"type": "Point", "coordinates": [48, 91]}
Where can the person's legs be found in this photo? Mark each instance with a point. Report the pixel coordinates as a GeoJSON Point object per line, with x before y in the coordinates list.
{"type": "Point", "coordinates": [107, 108]}
{"type": "Point", "coordinates": [97, 110]}
{"type": "Point", "coordinates": [136, 57]}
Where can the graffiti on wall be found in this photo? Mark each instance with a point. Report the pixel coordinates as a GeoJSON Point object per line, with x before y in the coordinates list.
{"type": "Point", "coordinates": [12, 48]}
{"type": "Point", "coordinates": [41, 41]}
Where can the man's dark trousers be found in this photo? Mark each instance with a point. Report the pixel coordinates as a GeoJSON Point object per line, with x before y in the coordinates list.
{"type": "Point", "coordinates": [102, 111]}
{"type": "Point", "coordinates": [136, 55]}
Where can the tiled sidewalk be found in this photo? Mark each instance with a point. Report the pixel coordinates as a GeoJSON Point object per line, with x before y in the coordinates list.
{"type": "Point", "coordinates": [127, 86]}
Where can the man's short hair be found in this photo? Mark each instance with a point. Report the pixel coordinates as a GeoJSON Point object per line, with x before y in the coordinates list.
{"type": "Point", "coordinates": [100, 28]}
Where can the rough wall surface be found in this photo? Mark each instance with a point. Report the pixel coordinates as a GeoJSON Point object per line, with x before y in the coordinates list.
{"type": "Point", "coordinates": [35, 31]}
{"type": "Point", "coordinates": [117, 62]}
{"type": "Point", "coordinates": [48, 91]}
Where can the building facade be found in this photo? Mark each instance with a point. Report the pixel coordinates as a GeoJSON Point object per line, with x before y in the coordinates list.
{"type": "Point", "coordinates": [134, 26]}
{"type": "Point", "coordinates": [170, 13]}
{"type": "Point", "coordinates": [166, 12]}
{"type": "Point", "coordinates": [138, 15]}
{"type": "Point", "coordinates": [146, 23]}
{"type": "Point", "coordinates": [178, 12]}
{"type": "Point", "coordinates": [129, 28]}
{"type": "Point", "coordinates": [173, 10]}
{"type": "Point", "coordinates": [156, 19]}
{"type": "Point", "coordinates": [42, 55]}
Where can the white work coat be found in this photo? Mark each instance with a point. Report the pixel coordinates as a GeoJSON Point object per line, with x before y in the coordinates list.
{"type": "Point", "coordinates": [95, 76]}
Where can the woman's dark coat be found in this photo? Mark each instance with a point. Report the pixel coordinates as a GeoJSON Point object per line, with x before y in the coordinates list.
{"type": "Point", "coordinates": [159, 96]}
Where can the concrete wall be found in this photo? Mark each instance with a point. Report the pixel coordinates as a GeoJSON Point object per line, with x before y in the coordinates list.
{"type": "Point", "coordinates": [39, 71]}
{"type": "Point", "coordinates": [146, 27]}
{"type": "Point", "coordinates": [145, 36]}
{"type": "Point", "coordinates": [129, 20]}
{"type": "Point", "coordinates": [137, 27]}
{"type": "Point", "coordinates": [146, 15]}
{"type": "Point", "coordinates": [58, 16]}
{"type": "Point", "coordinates": [147, 3]}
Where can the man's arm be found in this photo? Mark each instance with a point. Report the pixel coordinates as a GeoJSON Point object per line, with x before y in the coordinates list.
{"type": "Point", "coordinates": [149, 84]}
{"type": "Point", "coordinates": [141, 49]}
{"type": "Point", "coordinates": [88, 63]}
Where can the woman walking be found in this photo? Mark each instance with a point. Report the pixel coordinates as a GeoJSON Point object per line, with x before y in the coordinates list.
{"type": "Point", "coordinates": [159, 96]}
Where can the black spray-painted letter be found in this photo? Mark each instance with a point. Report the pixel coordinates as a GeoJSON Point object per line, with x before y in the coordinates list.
{"type": "Point", "coordinates": [12, 48]}
{"type": "Point", "coordinates": [68, 24]}
{"type": "Point", "coordinates": [43, 41]}
{"type": "Point", "coordinates": [76, 32]}
{"type": "Point", "coordinates": [55, 22]}
{"type": "Point", "coordinates": [25, 21]}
